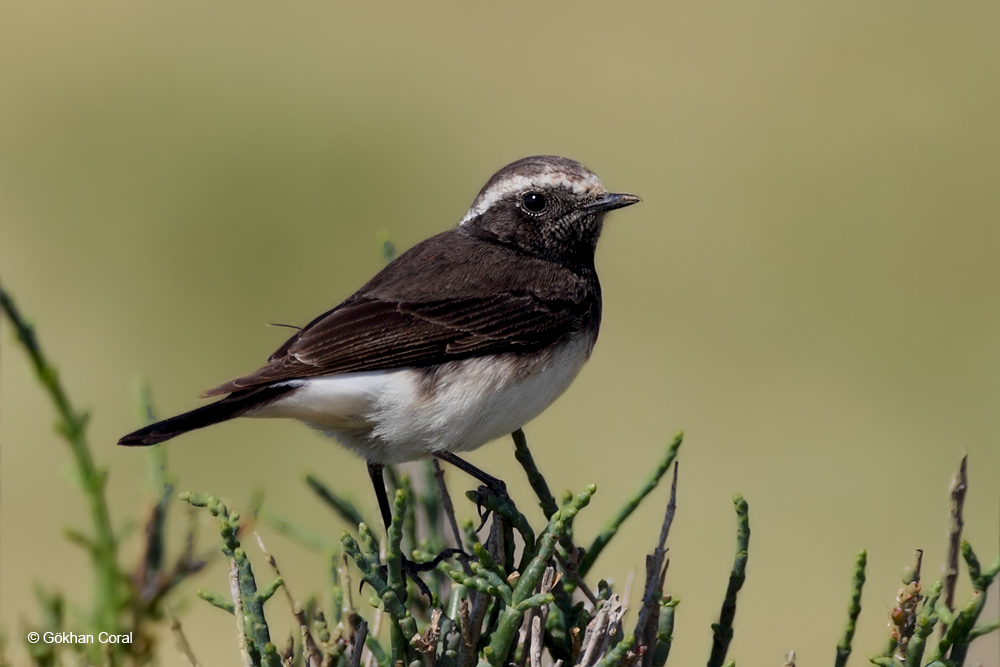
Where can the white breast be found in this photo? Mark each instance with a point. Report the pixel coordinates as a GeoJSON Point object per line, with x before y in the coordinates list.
{"type": "Point", "coordinates": [406, 414]}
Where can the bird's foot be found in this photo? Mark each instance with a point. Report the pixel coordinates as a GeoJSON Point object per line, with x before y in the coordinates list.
{"type": "Point", "coordinates": [413, 570]}
{"type": "Point", "coordinates": [496, 489]}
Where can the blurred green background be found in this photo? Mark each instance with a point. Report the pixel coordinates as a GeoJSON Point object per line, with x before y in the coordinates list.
{"type": "Point", "coordinates": [810, 288]}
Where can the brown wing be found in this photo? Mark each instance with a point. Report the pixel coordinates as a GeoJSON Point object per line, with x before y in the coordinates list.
{"type": "Point", "coordinates": [449, 297]}
{"type": "Point", "coordinates": [366, 334]}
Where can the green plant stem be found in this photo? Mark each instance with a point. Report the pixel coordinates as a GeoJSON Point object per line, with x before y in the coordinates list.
{"type": "Point", "coordinates": [246, 598]}
{"type": "Point", "coordinates": [510, 619]}
{"type": "Point", "coordinates": [344, 509]}
{"type": "Point", "coordinates": [523, 455]}
{"type": "Point", "coordinates": [926, 620]}
{"type": "Point", "coordinates": [955, 640]}
{"type": "Point", "coordinates": [72, 425]}
{"type": "Point", "coordinates": [853, 609]}
{"type": "Point", "coordinates": [612, 526]}
{"type": "Point", "coordinates": [955, 637]}
{"type": "Point", "coordinates": [984, 629]}
{"type": "Point", "coordinates": [506, 509]}
{"type": "Point", "coordinates": [664, 632]}
{"type": "Point", "coordinates": [981, 579]}
{"type": "Point", "coordinates": [617, 653]}
{"type": "Point", "coordinates": [394, 553]}
{"type": "Point", "coordinates": [216, 600]}
{"type": "Point", "coordinates": [410, 518]}
{"type": "Point", "coordinates": [647, 624]}
{"type": "Point", "coordinates": [722, 632]}
{"type": "Point", "coordinates": [307, 538]}
{"type": "Point", "coordinates": [381, 658]}
{"type": "Point", "coordinates": [391, 588]}
{"type": "Point", "coordinates": [159, 481]}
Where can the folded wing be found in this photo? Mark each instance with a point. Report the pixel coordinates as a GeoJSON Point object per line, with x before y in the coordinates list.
{"type": "Point", "coordinates": [368, 334]}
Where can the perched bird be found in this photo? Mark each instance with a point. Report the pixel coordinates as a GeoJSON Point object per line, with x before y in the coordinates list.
{"type": "Point", "coordinates": [458, 341]}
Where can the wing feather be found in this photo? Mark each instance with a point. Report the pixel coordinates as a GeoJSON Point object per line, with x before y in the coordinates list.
{"type": "Point", "coordinates": [368, 335]}
{"type": "Point", "coordinates": [449, 297]}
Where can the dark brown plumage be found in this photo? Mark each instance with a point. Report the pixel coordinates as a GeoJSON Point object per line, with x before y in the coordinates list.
{"type": "Point", "coordinates": [513, 285]}
{"type": "Point", "coordinates": [450, 297]}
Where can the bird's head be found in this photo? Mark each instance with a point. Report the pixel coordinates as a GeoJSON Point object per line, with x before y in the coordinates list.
{"type": "Point", "coordinates": [546, 206]}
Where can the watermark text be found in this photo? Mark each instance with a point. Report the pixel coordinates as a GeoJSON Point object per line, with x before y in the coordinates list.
{"type": "Point", "coordinates": [78, 638]}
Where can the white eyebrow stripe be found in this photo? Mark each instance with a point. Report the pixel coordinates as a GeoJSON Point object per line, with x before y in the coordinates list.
{"type": "Point", "coordinates": [517, 182]}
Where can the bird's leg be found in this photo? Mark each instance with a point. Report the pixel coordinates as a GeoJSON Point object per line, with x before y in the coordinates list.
{"type": "Point", "coordinates": [409, 567]}
{"type": "Point", "coordinates": [490, 483]}
{"type": "Point", "coordinates": [378, 481]}
{"type": "Point", "coordinates": [495, 485]}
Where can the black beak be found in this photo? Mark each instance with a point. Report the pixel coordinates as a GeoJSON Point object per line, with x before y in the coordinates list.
{"type": "Point", "coordinates": [611, 201]}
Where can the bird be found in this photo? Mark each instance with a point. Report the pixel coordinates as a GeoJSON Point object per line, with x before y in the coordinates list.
{"type": "Point", "coordinates": [458, 341]}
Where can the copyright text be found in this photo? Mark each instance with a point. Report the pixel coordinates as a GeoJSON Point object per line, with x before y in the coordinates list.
{"type": "Point", "coordinates": [74, 638]}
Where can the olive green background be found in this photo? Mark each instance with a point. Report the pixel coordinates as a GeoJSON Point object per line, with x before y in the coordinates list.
{"type": "Point", "coordinates": [810, 288]}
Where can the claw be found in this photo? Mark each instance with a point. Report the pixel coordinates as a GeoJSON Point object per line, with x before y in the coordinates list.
{"type": "Point", "coordinates": [481, 509]}
{"type": "Point", "coordinates": [412, 569]}
{"type": "Point", "coordinates": [499, 490]}
{"type": "Point", "coordinates": [431, 564]}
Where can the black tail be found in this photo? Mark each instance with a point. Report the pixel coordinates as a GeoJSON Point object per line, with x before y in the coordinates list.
{"type": "Point", "coordinates": [231, 406]}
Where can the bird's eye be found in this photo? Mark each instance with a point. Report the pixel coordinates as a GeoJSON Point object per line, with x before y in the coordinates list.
{"type": "Point", "coordinates": [534, 202]}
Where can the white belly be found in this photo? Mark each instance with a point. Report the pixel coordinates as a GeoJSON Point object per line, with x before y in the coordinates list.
{"type": "Point", "coordinates": [405, 414]}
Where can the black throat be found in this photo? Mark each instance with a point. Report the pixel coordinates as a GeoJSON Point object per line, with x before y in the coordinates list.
{"type": "Point", "coordinates": [571, 243]}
